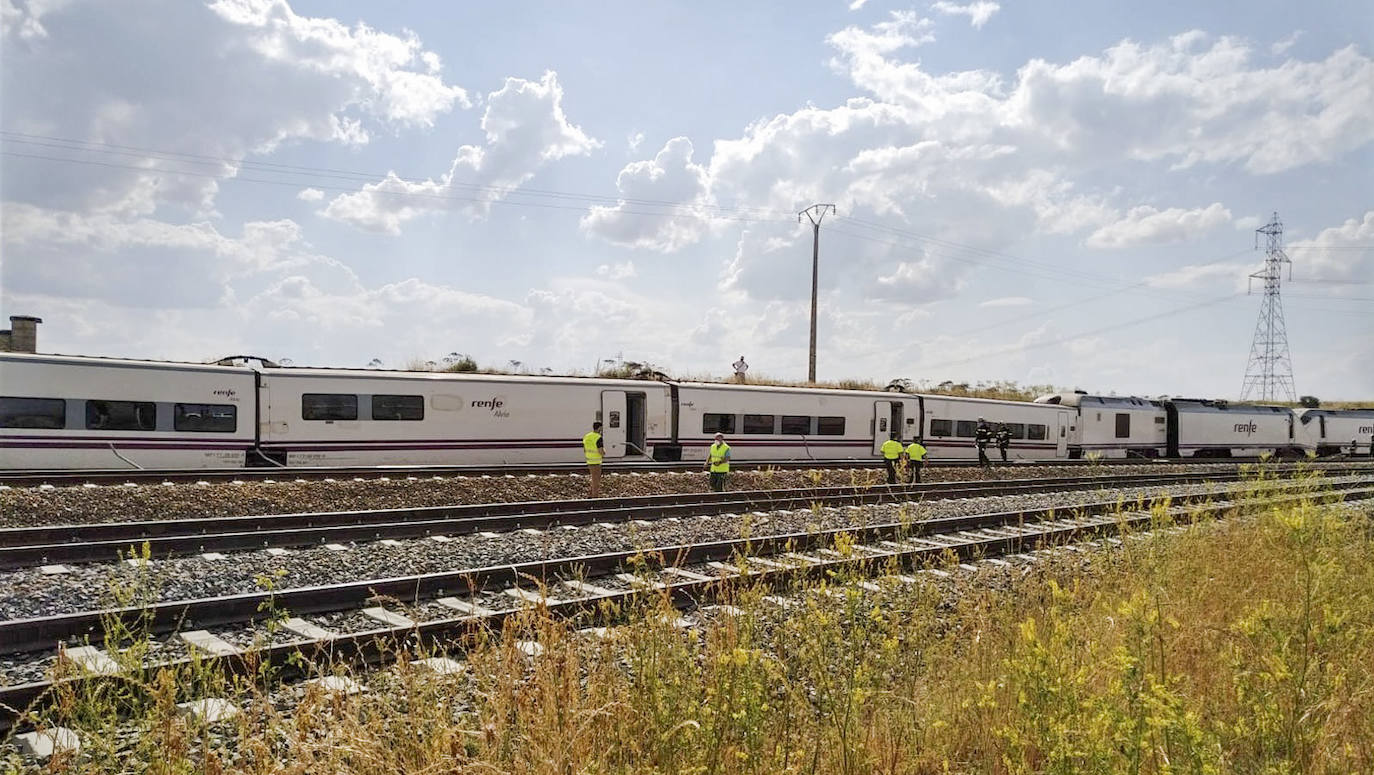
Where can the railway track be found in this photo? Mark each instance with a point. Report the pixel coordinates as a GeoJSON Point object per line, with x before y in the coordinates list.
{"type": "Point", "coordinates": [48, 544]}
{"type": "Point", "coordinates": [687, 574]}
{"type": "Point", "coordinates": [66, 478]}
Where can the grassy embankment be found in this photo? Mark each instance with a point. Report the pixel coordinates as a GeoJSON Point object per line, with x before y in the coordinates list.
{"type": "Point", "coordinates": [1234, 646]}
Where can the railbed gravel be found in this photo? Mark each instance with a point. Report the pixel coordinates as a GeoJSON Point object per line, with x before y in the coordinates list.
{"type": "Point", "coordinates": [27, 506]}
{"type": "Point", "coordinates": [28, 593]}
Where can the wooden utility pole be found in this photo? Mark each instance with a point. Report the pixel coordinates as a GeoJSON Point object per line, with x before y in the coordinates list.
{"type": "Point", "coordinates": [815, 213]}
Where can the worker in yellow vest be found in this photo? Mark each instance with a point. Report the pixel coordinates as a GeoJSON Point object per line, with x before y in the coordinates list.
{"type": "Point", "coordinates": [718, 462]}
{"type": "Point", "coordinates": [892, 450]}
{"type": "Point", "coordinates": [593, 447]}
{"type": "Point", "coordinates": [915, 454]}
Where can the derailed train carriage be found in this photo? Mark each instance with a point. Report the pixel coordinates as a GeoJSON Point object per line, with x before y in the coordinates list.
{"type": "Point", "coordinates": [60, 412]}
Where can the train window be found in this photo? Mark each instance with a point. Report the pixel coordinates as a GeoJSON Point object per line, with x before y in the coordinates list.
{"type": "Point", "coordinates": [205, 418]}
{"type": "Point", "coordinates": [758, 423]}
{"type": "Point", "coordinates": [795, 425]}
{"type": "Point", "coordinates": [830, 426]}
{"type": "Point", "coordinates": [1037, 432]}
{"type": "Point", "coordinates": [121, 415]}
{"type": "Point", "coordinates": [1159, 421]}
{"type": "Point", "coordinates": [717, 423]}
{"type": "Point", "coordinates": [1123, 426]}
{"type": "Point", "coordinates": [1018, 429]}
{"type": "Point", "coordinates": [398, 407]}
{"type": "Point", "coordinates": [46, 413]}
{"type": "Point", "coordinates": [965, 429]}
{"type": "Point", "coordinates": [329, 406]}
{"type": "Point", "coordinates": [941, 427]}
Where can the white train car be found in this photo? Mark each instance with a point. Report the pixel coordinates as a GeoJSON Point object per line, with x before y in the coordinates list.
{"type": "Point", "coordinates": [1038, 431]}
{"type": "Point", "coordinates": [763, 422]}
{"type": "Point", "coordinates": [81, 412]}
{"type": "Point", "coordinates": [318, 417]}
{"type": "Point", "coordinates": [1114, 426]}
{"type": "Point", "coordinates": [1202, 428]}
{"type": "Point", "coordinates": [1335, 431]}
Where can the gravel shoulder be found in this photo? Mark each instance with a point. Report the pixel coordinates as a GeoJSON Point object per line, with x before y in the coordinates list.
{"type": "Point", "coordinates": [122, 503]}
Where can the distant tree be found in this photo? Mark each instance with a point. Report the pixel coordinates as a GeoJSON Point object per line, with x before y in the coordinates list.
{"type": "Point", "coordinates": [514, 365]}
{"type": "Point", "coordinates": [1311, 402]}
{"type": "Point", "coordinates": [286, 362]}
{"type": "Point", "coordinates": [899, 385]}
{"type": "Point", "coordinates": [375, 363]}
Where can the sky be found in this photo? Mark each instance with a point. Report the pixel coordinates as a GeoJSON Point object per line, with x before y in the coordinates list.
{"type": "Point", "coordinates": [1058, 193]}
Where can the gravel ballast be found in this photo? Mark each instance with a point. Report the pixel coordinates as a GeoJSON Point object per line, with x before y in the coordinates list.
{"type": "Point", "coordinates": [28, 506]}
{"type": "Point", "coordinates": [28, 593]}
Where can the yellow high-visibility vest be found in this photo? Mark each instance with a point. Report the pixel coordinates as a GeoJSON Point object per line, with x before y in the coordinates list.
{"type": "Point", "coordinates": [892, 449]}
{"type": "Point", "coordinates": [720, 459]}
{"type": "Point", "coordinates": [589, 448]}
{"type": "Point", "coordinates": [915, 451]}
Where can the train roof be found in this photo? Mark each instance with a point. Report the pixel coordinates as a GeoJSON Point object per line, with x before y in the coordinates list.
{"type": "Point", "coordinates": [1210, 405]}
{"type": "Point", "coordinates": [1361, 411]}
{"type": "Point", "coordinates": [129, 363]}
{"type": "Point", "coordinates": [1080, 398]}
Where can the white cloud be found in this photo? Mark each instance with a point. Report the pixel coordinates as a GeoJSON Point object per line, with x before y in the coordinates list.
{"type": "Point", "coordinates": [857, 4]}
{"type": "Point", "coordinates": [1007, 301]}
{"type": "Point", "coordinates": [525, 129]}
{"type": "Point", "coordinates": [1282, 45]}
{"type": "Point", "coordinates": [310, 195]}
{"type": "Point", "coordinates": [977, 12]}
{"type": "Point", "coordinates": [664, 202]}
{"type": "Point", "coordinates": [622, 271]}
{"type": "Point", "coordinates": [1247, 223]}
{"type": "Point", "coordinates": [1188, 276]}
{"type": "Point", "coordinates": [633, 141]}
{"type": "Point", "coordinates": [1339, 254]}
{"type": "Point", "coordinates": [1145, 225]}
{"type": "Point", "coordinates": [228, 80]}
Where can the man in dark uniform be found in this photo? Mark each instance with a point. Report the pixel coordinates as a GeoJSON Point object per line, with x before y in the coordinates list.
{"type": "Point", "coordinates": [982, 436]}
{"type": "Point", "coordinates": [1003, 440]}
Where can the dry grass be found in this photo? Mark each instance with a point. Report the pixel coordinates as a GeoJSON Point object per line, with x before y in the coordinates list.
{"type": "Point", "coordinates": [1242, 646]}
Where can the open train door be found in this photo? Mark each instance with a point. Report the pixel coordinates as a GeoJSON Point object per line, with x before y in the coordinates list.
{"type": "Point", "coordinates": [887, 417]}
{"type": "Point", "coordinates": [613, 422]}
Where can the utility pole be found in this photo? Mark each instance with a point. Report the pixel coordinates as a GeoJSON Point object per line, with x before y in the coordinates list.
{"type": "Point", "coordinates": [815, 213]}
{"type": "Point", "coordinates": [1269, 374]}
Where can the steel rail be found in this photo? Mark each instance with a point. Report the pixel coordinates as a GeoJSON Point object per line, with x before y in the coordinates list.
{"type": "Point", "coordinates": [64, 477]}
{"type": "Point", "coordinates": [21, 635]}
{"type": "Point", "coordinates": [378, 646]}
{"type": "Point", "coordinates": [45, 544]}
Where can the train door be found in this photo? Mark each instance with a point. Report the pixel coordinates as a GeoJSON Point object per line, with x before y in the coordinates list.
{"type": "Point", "coordinates": [1171, 429]}
{"type": "Point", "coordinates": [887, 418]}
{"type": "Point", "coordinates": [613, 422]}
{"type": "Point", "coordinates": [1061, 448]}
{"type": "Point", "coordinates": [1321, 426]}
{"type": "Point", "coordinates": [634, 423]}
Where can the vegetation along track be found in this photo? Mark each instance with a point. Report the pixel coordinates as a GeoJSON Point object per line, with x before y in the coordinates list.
{"type": "Point", "coordinates": [29, 546]}
{"type": "Point", "coordinates": [774, 560]}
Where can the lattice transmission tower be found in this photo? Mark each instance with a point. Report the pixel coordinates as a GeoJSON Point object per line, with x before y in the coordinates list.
{"type": "Point", "coordinates": [1269, 374]}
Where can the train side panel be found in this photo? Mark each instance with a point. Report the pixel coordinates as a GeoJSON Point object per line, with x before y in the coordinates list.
{"type": "Point", "coordinates": [1118, 427]}
{"type": "Point", "coordinates": [1335, 431]}
{"type": "Point", "coordinates": [322, 417]}
{"type": "Point", "coordinates": [1222, 429]}
{"type": "Point", "coordinates": [1039, 431]}
{"type": "Point", "coordinates": [59, 412]}
{"type": "Point", "coordinates": [777, 423]}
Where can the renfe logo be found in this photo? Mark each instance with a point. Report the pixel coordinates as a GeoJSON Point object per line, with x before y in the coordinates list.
{"type": "Point", "coordinates": [1366, 429]}
{"type": "Point", "coordinates": [494, 404]}
{"type": "Point", "coordinates": [1246, 427]}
